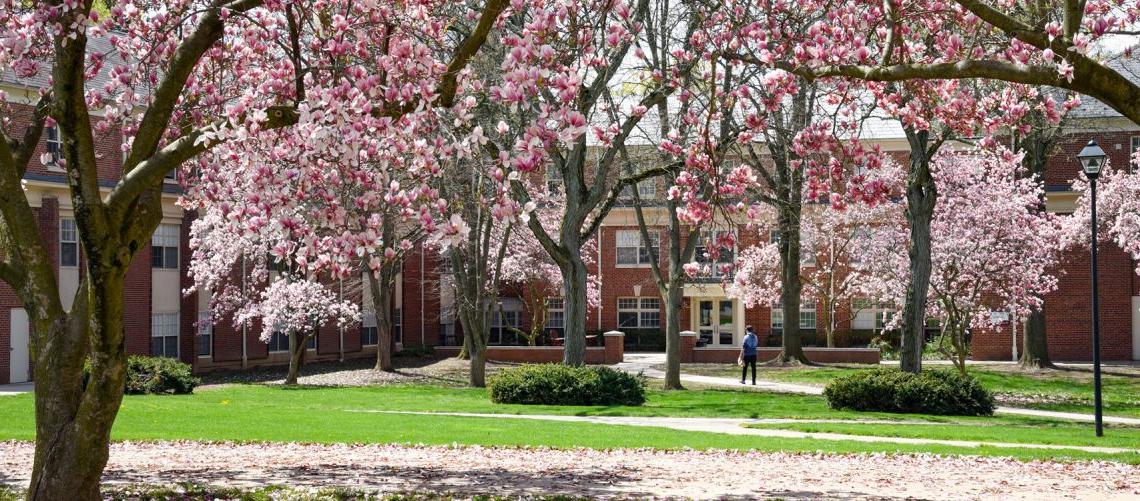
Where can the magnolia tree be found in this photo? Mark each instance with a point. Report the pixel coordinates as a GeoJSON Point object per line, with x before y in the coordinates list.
{"type": "Point", "coordinates": [573, 125]}
{"type": "Point", "coordinates": [991, 249]}
{"type": "Point", "coordinates": [689, 137]}
{"type": "Point", "coordinates": [1034, 43]}
{"type": "Point", "coordinates": [528, 270]}
{"type": "Point", "coordinates": [1118, 210]}
{"type": "Point", "coordinates": [176, 80]}
{"type": "Point", "coordinates": [858, 44]}
{"type": "Point", "coordinates": [834, 274]}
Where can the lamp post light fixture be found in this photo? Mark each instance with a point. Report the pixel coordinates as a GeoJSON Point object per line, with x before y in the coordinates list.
{"type": "Point", "coordinates": [1092, 161]}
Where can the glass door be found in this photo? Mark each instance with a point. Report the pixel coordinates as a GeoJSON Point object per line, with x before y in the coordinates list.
{"type": "Point", "coordinates": [716, 322]}
{"type": "Point", "coordinates": [706, 330]}
{"type": "Point", "coordinates": [726, 325]}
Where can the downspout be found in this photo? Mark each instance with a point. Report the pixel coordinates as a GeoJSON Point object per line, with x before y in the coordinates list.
{"type": "Point", "coordinates": [340, 326]}
{"type": "Point", "coordinates": [423, 324]}
{"type": "Point", "coordinates": [601, 229]}
{"type": "Point", "coordinates": [244, 350]}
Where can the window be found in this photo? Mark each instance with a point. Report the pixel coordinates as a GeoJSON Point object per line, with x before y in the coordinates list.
{"type": "Point", "coordinates": [646, 189]}
{"type": "Point", "coordinates": [54, 147]}
{"type": "Point", "coordinates": [205, 339]}
{"type": "Point", "coordinates": [639, 313]}
{"type": "Point", "coordinates": [555, 313]}
{"type": "Point", "coordinates": [722, 265]}
{"type": "Point", "coordinates": [553, 179]}
{"type": "Point", "coordinates": [1132, 161]}
{"type": "Point", "coordinates": [68, 243]}
{"type": "Point", "coordinates": [164, 335]}
{"type": "Point", "coordinates": [807, 250]}
{"type": "Point", "coordinates": [447, 331]}
{"type": "Point", "coordinates": [398, 325]}
{"type": "Point", "coordinates": [507, 314]}
{"type": "Point", "coordinates": [807, 315]}
{"type": "Point", "coordinates": [869, 315]}
{"type": "Point", "coordinates": [444, 267]}
{"type": "Point", "coordinates": [368, 331]}
{"type": "Point", "coordinates": [279, 342]}
{"type": "Point", "coordinates": [632, 251]}
{"type": "Point", "coordinates": [164, 247]}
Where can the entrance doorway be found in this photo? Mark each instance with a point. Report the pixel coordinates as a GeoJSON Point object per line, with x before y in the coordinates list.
{"type": "Point", "coordinates": [18, 364]}
{"type": "Point", "coordinates": [716, 321]}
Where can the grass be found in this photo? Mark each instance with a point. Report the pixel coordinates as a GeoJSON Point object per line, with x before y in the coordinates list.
{"type": "Point", "coordinates": [1068, 389]}
{"type": "Point", "coordinates": [332, 415]}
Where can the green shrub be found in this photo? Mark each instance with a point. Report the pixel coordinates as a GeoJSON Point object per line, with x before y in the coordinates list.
{"type": "Point", "coordinates": [939, 392]}
{"type": "Point", "coordinates": [556, 384]}
{"type": "Point", "coordinates": [156, 375]}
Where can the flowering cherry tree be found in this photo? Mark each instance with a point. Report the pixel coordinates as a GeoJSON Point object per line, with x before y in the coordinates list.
{"type": "Point", "coordinates": [991, 249]}
{"type": "Point", "coordinates": [176, 80]}
{"type": "Point", "coordinates": [1118, 210]}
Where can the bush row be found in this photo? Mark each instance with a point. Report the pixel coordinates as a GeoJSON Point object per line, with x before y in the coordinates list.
{"type": "Point", "coordinates": [940, 392]}
{"type": "Point", "coordinates": [557, 384]}
{"type": "Point", "coordinates": [155, 375]}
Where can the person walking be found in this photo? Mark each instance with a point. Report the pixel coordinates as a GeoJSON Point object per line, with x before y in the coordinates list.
{"type": "Point", "coordinates": [748, 354]}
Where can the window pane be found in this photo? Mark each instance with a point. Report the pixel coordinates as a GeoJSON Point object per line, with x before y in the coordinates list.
{"type": "Point", "coordinates": [171, 346]}
{"type": "Point", "coordinates": [68, 254]}
{"type": "Point", "coordinates": [205, 345]}
{"type": "Point", "coordinates": [156, 257]}
{"type": "Point", "coordinates": [627, 319]}
{"type": "Point", "coordinates": [312, 342]}
{"type": "Point", "coordinates": [627, 303]}
{"type": "Point", "coordinates": [156, 346]}
{"type": "Point", "coordinates": [171, 257]}
{"type": "Point", "coordinates": [627, 255]}
{"type": "Point", "coordinates": [650, 319]}
{"type": "Point", "coordinates": [650, 303]}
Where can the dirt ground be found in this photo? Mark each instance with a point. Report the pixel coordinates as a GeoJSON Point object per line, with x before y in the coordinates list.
{"type": "Point", "coordinates": [465, 471]}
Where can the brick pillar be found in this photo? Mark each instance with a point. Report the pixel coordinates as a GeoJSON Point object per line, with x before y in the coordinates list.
{"type": "Point", "coordinates": [688, 344]}
{"type": "Point", "coordinates": [615, 347]}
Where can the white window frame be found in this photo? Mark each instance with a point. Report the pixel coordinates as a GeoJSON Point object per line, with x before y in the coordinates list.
{"type": "Point", "coordinates": [648, 316]}
{"type": "Point", "coordinates": [776, 316]}
{"type": "Point", "coordinates": [701, 253]}
{"type": "Point", "coordinates": [205, 330]}
{"type": "Point", "coordinates": [57, 154]}
{"type": "Point", "coordinates": [165, 325]}
{"type": "Point", "coordinates": [877, 310]}
{"type": "Point", "coordinates": [68, 234]}
{"type": "Point", "coordinates": [555, 305]}
{"type": "Point", "coordinates": [398, 325]}
{"type": "Point", "coordinates": [1134, 145]}
{"type": "Point", "coordinates": [622, 240]}
{"type": "Point", "coordinates": [553, 179]}
{"type": "Point", "coordinates": [166, 236]}
{"type": "Point", "coordinates": [511, 307]}
{"type": "Point", "coordinates": [368, 321]}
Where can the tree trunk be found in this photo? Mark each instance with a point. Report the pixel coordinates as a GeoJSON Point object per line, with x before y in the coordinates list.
{"type": "Point", "coordinates": [791, 346]}
{"type": "Point", "coordinates": [921, 198]}
{"type": "Point", "coordinates": [1035, 346]}
{"type": "Point", "coordinates": [673, 330]}
{"type": "Point", "coordinates": [574, 276]}
{"type": "Point", "coordinates": [73, 421]}
{"type": "Point", "coordinates": [382, 308]}
{"type": "Point", "coordinates": [296, 355]}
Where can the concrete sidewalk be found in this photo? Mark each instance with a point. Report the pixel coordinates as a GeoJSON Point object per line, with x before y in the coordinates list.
{"type": "Point", "coordinates": [736, 426]}
{"type": "Point", "coordinates": [644, 362]}
{"type": "Point", "coordinates": [16, 388]}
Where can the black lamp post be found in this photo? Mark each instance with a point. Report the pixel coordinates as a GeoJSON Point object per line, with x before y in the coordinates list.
{"type": "Point", "coordinates": [1092, 159]}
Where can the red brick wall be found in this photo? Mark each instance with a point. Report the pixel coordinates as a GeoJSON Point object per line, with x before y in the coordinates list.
{"type": "Point", "coordinates": [1063, 166]}
{"type": "Point", "coordinates": [136, 307]}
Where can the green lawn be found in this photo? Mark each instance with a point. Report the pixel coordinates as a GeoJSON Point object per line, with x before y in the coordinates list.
{"type": "Point", "coordinates": [1067, 390]}
{"type": "Point", "coordinates": [332, 415]}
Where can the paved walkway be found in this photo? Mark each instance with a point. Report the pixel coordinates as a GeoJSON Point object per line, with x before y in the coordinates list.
{"type": "Point", "coordinates": [465, 471]}
{"type": "Point", "coordinates": [644, 363]}
{"type": "Point", "coordinates": [737, 426]}
{"type": "Point", "coordinates": [15, 388]}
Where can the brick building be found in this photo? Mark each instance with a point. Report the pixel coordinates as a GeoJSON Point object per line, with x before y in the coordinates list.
{"type": "Point", "coordinates": [161, 320]}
